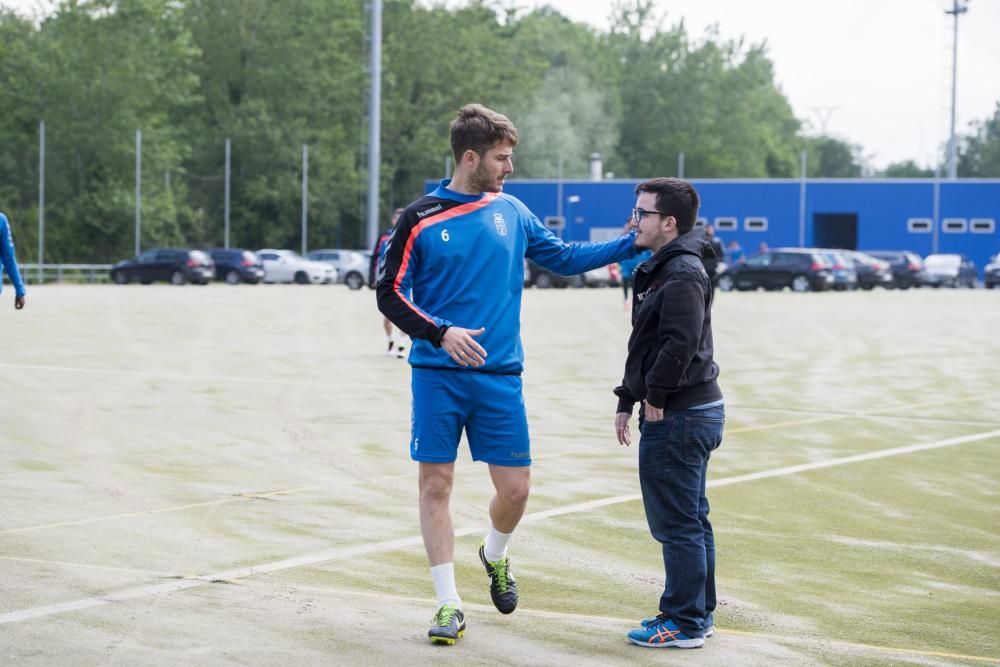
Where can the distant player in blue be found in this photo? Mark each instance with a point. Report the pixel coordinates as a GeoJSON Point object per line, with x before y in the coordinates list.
{"type": "Point", "coordinates": [377, 253]}
{"type": "Point", "coordinates": [451, 279]}
{"type": "Point", "coordinates": [8, 263]}
{"type": "Point", "coordinates": [627, 267]}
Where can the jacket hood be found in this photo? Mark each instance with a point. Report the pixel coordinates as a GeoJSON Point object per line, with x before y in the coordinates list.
{"type": "Point", "coordinates": [692, 243]}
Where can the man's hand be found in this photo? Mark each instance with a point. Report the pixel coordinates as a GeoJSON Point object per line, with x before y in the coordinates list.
{"type": "Point", "coordinates": [653, 414]}
{"type": "Point", "coordinates": [621, 428]}
{"type": "Point", "coordinates": [458, 343]}
{"type": "Point", "coordinates": [18, 302]}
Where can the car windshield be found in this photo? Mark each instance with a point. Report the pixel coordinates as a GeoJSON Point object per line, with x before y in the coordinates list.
{"type": "Point", "coordinates": [199, 255]}
{"type": "Point", "coordinates": [942, 261]}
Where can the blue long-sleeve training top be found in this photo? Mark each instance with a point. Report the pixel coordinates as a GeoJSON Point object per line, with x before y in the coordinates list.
{"type": "Point", "coordinates": [8, 262]}
{"type": "Point", "coordinates": [458, 259]}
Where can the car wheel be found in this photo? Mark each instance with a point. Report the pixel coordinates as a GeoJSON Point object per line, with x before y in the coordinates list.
{"type": "Point", "coordinates": [577, 281]}
{"type": "Point", "coordinates": [867, 288]}
{"type": "Point", "coordinates": [178, 278]}
{"type": "Point", "coordinates": [302, 278]}
{"type": "Point", "coordinates": [543, 281]}
{"type": "Point", "coordinates": [354, 280]}
{"type": "Point", "coordinates": [800, 283]}
{"type": "Point", "coordinates": [726, 283]}
{"type": "Point", "coordinates": [232, 277]}
{"type": "Point", "coordinates": [120, 278]}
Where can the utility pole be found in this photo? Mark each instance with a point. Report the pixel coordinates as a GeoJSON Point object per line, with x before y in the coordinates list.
{"type": "Point", "coordinates": [955, 10]}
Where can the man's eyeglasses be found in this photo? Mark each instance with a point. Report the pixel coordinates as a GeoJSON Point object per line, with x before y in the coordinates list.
{"type": "Point", "coordinates": [639, 213]}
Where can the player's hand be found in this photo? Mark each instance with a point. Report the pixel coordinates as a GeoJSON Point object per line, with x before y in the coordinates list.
{"type": "Point", "coordinates": [652, 414]}
{"type": "Point", "coordinates": [18, 302]}
{"type": "Point", "coordinates": [459, 343]}
{"type": "Point", "coordinates": [621, 428]}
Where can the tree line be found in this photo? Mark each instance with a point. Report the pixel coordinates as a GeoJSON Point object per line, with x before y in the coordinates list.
{"type": "Point", "coordinates": [272, 76]}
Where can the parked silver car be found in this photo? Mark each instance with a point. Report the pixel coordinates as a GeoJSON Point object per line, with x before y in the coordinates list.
{"type": "Point", "coordinates": [950, 270]}
{"type": "Point", "coordinates": [285, 266]}
{"type": "Point", "coordinates": [351, 265]}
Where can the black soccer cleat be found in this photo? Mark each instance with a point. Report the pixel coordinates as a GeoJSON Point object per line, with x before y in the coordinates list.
{"type": "Point", "coordinates": [448, 625]}
{"type": "Point", "coordinates": [503, 587]}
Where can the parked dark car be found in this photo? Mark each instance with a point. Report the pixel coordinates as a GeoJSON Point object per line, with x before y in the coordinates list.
{"type": "Point", "coordinates": [949, 270]}
{"type": "Point", "coordinates": [991, 275]}
{"type": "Point", "coordinates": [176, 265]}
{"type": "Point", "coordinates": [235, 266]}
{"type": "Point", "coordinates": [845, 276]}
{"type": "Point", "coordinates": [907, 267]}
{"type": "Point", "coordinates": [872, 271]}
{"type": "Point", "coordinates": [542, 278]}
{"type": "Point", "coordinates": [801, 269]}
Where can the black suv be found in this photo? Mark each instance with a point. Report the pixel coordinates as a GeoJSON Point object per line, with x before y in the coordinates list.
{"type": "Point", "coordinates": [907, 267]}
{"type": "Point", "coordinates": [991, 275]}
{"type": "Point", "coordinates": [235, 266]}
{"type": "Point", "coordinates": [801, 269]}
{"type": "Point", "coordinates": [177, 265]}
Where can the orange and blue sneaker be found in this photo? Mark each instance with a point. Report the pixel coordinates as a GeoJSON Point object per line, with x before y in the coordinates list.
{"type": "Point", "coordinates": [448, 625]}
{"type": "Point", "coordinates": [662, 632]}
{"type": "Point", "coordinates": [503, 587]}
{"type": "Point", "coordinates": [709, 623]}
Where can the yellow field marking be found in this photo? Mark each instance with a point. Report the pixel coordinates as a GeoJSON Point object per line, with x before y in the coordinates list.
{"type": "Point", "coordinates": [355, 552]}
{"type": "Point", "coordinates": [625, 622]}
{"type": "Point", "coordinates": [540, 457]}
{"type": "Point", "coordinates": [208, 503]}
{"type": "Point", "coordinates": [85, 566]}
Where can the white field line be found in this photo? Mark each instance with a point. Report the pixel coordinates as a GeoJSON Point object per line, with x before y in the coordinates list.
{"type": "Point", "coordinates": [795, 640]}
{"type": "Point", "coordinates": [166, 376]}
{"type": "Point", "coordinates": [341, 553]}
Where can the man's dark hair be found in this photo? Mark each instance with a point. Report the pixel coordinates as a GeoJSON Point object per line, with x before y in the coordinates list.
{"type": "Point", "coordinates": [674, 197]}
{"type": "Point", "coordinates": [480, 129]}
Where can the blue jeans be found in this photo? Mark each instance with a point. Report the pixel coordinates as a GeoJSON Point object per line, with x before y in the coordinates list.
{"type": "Point", "coordinates": [673, 467]}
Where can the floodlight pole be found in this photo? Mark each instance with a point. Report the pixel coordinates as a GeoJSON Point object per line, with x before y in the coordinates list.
{"type": "Point", "coordinates": [952, 141]}
{"type": "Point", "coordinates": [374, 120]}
{"type": "Point", "coordinates": [41, 200]}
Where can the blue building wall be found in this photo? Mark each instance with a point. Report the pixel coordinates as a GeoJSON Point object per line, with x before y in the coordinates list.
{"type": "Point", "coordinates": [883, 209]}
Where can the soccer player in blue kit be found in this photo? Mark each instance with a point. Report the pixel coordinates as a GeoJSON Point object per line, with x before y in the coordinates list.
{"type": "Point", "coordinates": [451, 279]}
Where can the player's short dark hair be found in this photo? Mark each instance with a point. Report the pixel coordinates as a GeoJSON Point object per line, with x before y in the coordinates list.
{"type": "Point", "coordinates": [674, 197]}
{"type": "Point", "coordinates": [479, 129]}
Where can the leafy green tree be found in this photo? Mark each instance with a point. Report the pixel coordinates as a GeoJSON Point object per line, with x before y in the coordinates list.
{"type": "Point", "coordinates": [108, 67]}
{"type": "Point", "coordinates": [832, 158]}
{"type": "Point", "coordinates": [979, 152]}
{"type": "Point", "coordinates": [907, 169]}
{"type": "Point", "coordinates": [715, 102]}
{"type": "Point", "coordinates": [275, 76]}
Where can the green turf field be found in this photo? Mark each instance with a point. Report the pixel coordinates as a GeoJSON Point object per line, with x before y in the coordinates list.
{"type": "Point", "coordinates": [220, 475]}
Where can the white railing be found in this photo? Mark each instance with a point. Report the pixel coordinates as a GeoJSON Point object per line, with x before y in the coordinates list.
{"type": "Point", "coordinates": [77, 273]}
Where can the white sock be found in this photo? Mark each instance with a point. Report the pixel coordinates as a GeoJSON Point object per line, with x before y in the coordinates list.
{"type": "Point", "coordinates": [444, 584]}
{"type": "Point", "coordinates": [496, 545]}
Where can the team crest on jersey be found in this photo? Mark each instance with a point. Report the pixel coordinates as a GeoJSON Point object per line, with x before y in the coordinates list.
{"type": "Point", "coordinates": [500, 224]}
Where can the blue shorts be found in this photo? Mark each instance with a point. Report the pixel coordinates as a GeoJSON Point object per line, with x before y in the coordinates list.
{"type": "Point", "coordinates": [489, 407]}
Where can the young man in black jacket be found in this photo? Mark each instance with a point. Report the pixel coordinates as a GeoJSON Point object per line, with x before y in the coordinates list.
{"type": "Point", "coordinates": [670, 370]}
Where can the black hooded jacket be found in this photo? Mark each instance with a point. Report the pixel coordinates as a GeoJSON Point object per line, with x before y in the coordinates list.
{"type": "Point", "coordinates": [670, 362]}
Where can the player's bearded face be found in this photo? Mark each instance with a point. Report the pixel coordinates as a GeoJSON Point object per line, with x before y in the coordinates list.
{"type": "Point", "coordinates": [493, 168]}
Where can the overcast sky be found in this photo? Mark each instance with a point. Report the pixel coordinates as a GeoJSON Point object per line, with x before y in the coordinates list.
{"type": "Point", "coordinates": [871, 72]}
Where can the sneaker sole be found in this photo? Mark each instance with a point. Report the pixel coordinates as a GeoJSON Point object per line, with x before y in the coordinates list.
{"type": "Point", "coordinates": [447, 641]}
{"type": "Point", "coordinates": [677, 643]}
